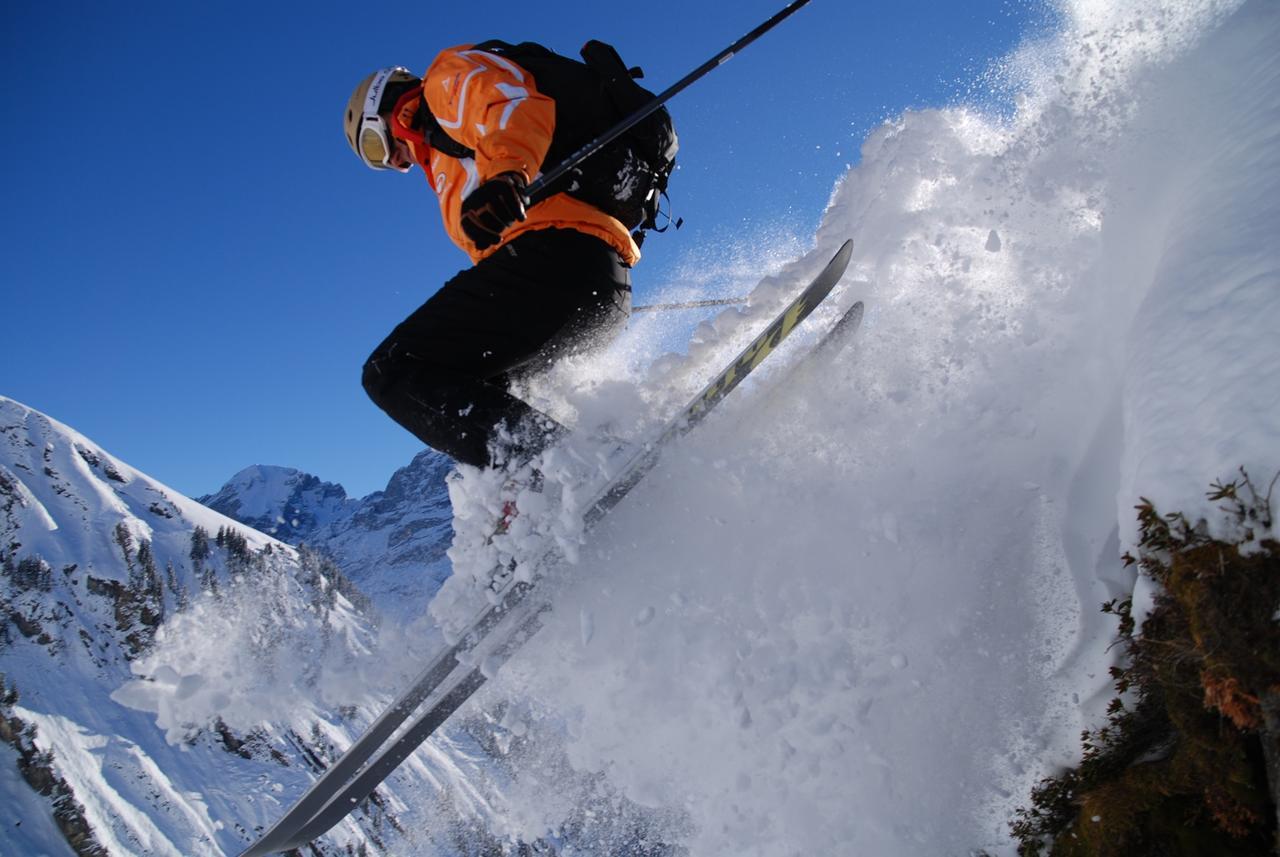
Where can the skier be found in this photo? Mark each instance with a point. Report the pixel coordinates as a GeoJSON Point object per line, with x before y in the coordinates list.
{"type": "Point", "coordinates": [548, 279]}
{"type": "Point", "coordinates": [403, 134]}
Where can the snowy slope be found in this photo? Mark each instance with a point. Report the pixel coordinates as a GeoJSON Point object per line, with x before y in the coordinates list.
{"type": "Point", "coordinates": [74, 633]}
{"type": "Point", "coordinates": [181, 693]}
{"type": "Point", "coordinates": [173, 696]}
{"type": "Point", "coordinates": [857, 612]}
{"type": "Point", "coordinates": [391, 544]}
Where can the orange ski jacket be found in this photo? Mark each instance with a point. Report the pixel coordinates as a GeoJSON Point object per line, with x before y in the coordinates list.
{"type": "Point", "coordinates": [493, 107]}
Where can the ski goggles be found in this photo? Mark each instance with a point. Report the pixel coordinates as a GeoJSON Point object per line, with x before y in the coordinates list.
{"type": "Point", "coordinates": [373, 139]}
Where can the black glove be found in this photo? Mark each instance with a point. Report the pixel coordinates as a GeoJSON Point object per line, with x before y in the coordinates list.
{"type": "Point", "coordinates": [492, 208]}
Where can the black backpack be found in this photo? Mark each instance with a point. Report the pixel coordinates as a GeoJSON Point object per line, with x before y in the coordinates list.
{"type": "Point", "coordinates": [627, 178]}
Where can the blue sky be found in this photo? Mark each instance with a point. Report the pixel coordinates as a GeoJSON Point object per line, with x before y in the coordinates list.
{"type": "Point", "coordinates": [197, 267]}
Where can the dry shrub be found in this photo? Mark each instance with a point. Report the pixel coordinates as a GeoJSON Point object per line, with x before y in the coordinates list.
{"type": "Point", "coordinates": [1189, 759]}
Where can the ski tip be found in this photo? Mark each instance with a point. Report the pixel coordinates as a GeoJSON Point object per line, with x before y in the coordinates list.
{"type": "Point", "coordinates": [855, 313]}
{"type": "Point", "coordinates": [851, 318]}
{"type": "Point", "coordinates": [840, 261]}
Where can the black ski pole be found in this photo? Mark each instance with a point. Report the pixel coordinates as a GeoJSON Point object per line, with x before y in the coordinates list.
{"type": "Point", "coordinates": [538, 187]}
{"type": "Point", "coordinates": [690, 304]}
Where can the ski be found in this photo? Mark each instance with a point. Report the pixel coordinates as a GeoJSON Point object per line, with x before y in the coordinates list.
{"type": "Point", "coordinates": [497, 630]}
{"type": "Point", "coordinates": [820, 356]}
{"type": "Point", "coordinates": [834, 338]}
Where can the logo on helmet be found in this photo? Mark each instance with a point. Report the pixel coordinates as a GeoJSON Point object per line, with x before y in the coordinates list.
{"type": "Point", "coordinates": [375, 90]}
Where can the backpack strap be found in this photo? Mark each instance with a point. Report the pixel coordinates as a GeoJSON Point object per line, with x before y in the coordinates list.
{"type": "Point", "coordinates": [438, 139]}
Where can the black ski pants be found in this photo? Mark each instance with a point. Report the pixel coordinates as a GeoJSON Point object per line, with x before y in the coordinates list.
{"type": "Point", "coordinates": [444, 372]}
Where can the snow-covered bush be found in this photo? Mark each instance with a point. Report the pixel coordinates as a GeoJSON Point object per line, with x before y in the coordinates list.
{"type": "Point", "coordinates": [1188, 762]}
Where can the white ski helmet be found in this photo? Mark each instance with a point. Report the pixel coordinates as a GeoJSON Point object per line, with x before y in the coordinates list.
{"type": "Point", "coordinates": [365, 127]}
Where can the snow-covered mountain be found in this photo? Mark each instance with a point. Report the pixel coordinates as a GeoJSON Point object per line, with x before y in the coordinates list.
{"type": "Point", "coordinates": [391, 544]}
{"type": "Point", "coordinates": [125, 607]}
{"type": "Point", "coordinates": [286, 503]}
{"type": "Point", "coordinates": [172, 679]}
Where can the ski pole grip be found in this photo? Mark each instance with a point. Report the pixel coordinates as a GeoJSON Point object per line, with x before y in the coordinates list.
{"type": "Point", "coordinates": [539, 188]}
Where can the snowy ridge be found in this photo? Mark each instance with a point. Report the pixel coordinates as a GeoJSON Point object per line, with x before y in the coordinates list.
{"type": "Point", "coordinates": [114, 549]}
{"type": "Point", "coordinates": [390, 544]}
{"type": "Point", "coordinates": [181, 692]}
{"type": "Point", "coordinates": [282, 501]}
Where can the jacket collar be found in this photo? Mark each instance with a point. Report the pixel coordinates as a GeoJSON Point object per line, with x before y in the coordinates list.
{"type": "Point", "coordinates": [406, 125]}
